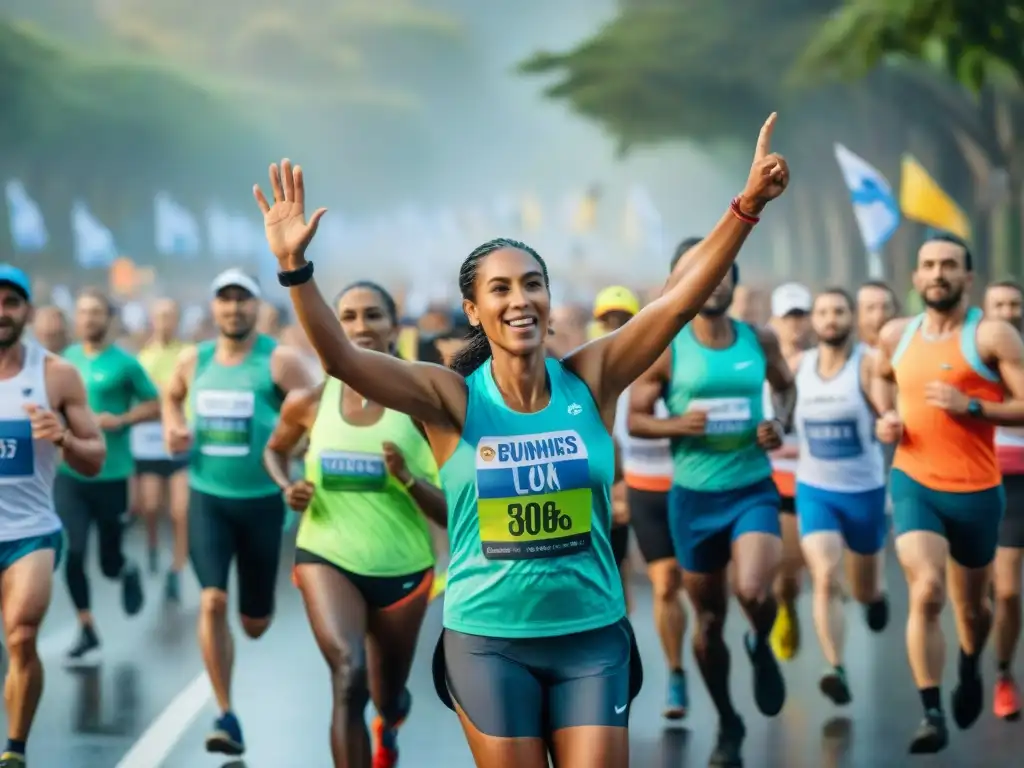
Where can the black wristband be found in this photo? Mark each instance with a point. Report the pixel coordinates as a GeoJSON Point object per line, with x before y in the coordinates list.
{"type": "Point", "coordinates": [295, 277]}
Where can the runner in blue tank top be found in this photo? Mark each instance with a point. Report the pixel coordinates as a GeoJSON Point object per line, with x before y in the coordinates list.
{"type": "Point", "coordinates": [536, 649]}
{"type": "Point", "coordinates": [723, 505]}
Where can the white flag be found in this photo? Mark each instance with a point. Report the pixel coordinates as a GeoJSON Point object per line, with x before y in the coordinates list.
{"type": "Point", "coordinates": [874, 204]}
{"type": "Point", "coordinates": [233, 235]}
{"type": "Point", "coordinates": [28, 230]}
{"type": "Point", "coordinates": [177, 233]}
{"type": "Point", "coordinates": [94, 243]}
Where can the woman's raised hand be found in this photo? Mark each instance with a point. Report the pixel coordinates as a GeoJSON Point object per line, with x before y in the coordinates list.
{"type": "Point", "coordinates": [769, 173]}
{"type": "Point", "coordinates": [288, 232]}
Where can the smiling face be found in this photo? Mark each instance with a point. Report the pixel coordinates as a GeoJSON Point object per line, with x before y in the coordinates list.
{"type": "Point", "coordinates": [15, 313]}
{"type": "Point", "coordinates": [510, 301]}
{"type": "Point", "coordinates": [365, 319]}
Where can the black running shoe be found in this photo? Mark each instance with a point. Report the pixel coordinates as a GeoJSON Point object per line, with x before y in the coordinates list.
{"type": "Point", "coordinates": [86, 650]}
{"type": "Point", "coordinates": [877, 614]}
{"type": "Point", "coordinates": [932, 735]}
{"type": "Point", "coordinates": [833, 684]}
{"type": "Point", "coordinates": [769, 687]}
{"type": "Point", "coordinates": [131, 588]}
{"type": "Point", "coordinates": [728, 748]}
{"type": "Point", "coordinates": [967, 701]}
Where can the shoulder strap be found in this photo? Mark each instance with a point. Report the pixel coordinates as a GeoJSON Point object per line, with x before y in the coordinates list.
{"type": "Point", "coordinates": [204, 355]}
{"type": "Point", "coordinates": [908, 335]}
{"type": "Point", "coordinates": [969, 345]}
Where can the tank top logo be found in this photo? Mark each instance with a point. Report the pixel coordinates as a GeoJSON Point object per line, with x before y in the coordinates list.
{"type": "Point", "coordinates": [17, 458]}
{"type": "Point", "coordinates": [351, 471]}
{"type": "Point", "coordinates": [224, 422]}
{"type": "Point", "coordinates": [833, 440]}
{"type": "Point", "coordinates": [534, 496]}
{"type": "Point", "coordinates": [729, 426]}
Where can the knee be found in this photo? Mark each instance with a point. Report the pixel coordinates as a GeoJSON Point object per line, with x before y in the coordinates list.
{"type": "Point", "coordinates": [348, 676]}
{"type": "Point", "coordinates": [665, 583]}
{"type": "Point", "coordinates": [751, 589]}
{"type": "Point", "coordinates": [928, 593]}
{"type": "Point", "coordinates": [826, 580]}
{"type": "Point", "coordinates": [213, 603]}
{"type": "Point", "coordinates": [255, 628]}
{"type": "Point", "coordinates": [710, 625]}
{"type": "Point", "coordinates": [21, 642]}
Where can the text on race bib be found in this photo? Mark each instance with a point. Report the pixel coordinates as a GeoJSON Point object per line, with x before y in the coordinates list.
{"type": "Point", "coordinates": [147, 441]}
{"type": "Point", "coordinates": [833, 440]}
{"type": "Point", "coordinates": [224, 422]}
{"type": "Point", "coordinates": [17, 457]}
{"type": "Point", "coordinates": [730, 425]}
{"type": "Point", "coordinates": [534, 496]}
{"type": "Point", "coordinates": [352, 472]}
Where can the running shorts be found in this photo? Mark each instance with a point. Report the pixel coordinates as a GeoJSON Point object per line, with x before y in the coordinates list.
{"type": "Point", "coordinates": [858, 516]}
{"type": "Point", "coordinates": [704, 524]}
{"type": "Point", "coordinates": [620, 543]}
{"type": "Point", "coordinates": [970, 521]}
{"type": "Point", "coordinates": [161, 467]}
{"type": "Point", "coordinates": [1011, 531]}
{"type": "Point", "coordinates": [648, 516]}
{"type": "Point", "coordinates": [531, 687]}
{"type": "Point", "coordinates": [220, 530]}
{"type": "Point", "coordinates": [14, 550]}
{"type": "Point", "coordinates": [379, 592]}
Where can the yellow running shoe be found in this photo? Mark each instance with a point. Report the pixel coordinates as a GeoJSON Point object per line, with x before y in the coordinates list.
{"type": "Point", "coordinates": [785, 638]}
{"type": "Point", "coordinates": [12, 760]}
{"type": "Point", "coordinates": [437, 588]}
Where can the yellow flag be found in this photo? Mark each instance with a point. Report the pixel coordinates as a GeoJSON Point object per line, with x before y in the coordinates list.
{"type": "Point", "coordinates": [924, 201]}
{"type": "Point", "coordinates": [531, 214]}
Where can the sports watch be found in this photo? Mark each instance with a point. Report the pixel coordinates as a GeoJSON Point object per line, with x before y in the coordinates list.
{"type": "Point", "coordinates": [974, 408]}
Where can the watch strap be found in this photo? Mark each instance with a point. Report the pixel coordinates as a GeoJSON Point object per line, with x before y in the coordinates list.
{"type": "Point", "coordinates": [291, 278]}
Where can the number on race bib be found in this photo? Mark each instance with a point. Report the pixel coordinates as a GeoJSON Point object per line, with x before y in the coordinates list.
{"type": "Point", "coordinates": [8, 449]}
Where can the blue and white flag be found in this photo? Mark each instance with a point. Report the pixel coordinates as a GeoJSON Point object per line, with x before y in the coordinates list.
{"type": "Point", "coordinates": [28, 230]}
{"type": "Point", "coordinates": [177, 233]}
{"type": "Point", "coordinates": [874, 205]}
{"type": "Point", "coordinates": [233, 235]}
{"type": "Point", "coordinates": [94, 243]}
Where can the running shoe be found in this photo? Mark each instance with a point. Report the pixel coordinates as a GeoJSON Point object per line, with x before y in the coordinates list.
{"type": "Point", "coordinates": [226, 736]}
{"type": "Point", "coordinates": [834, 685]}
{"type": "Point", "coordinates": [876, 614]}
{"type": "Point", "coordinates": [385, 740]}
{"type": "Point", "coordinates": [785, 637]}
{"type": "Point", "coordinates": [677, 701]}
{"type": "Point", "coordinates": [932, 735]}
{"type": "Point", "coordinates": [131, 588]}
{"type": "Point", "coordinates": [968, 700]}
{"type": "Point", "coordinates": [1006, 702]}
{"type": "Point", "coordinates": [769, 687]}
{"type": "Point", "coordinates": [172, 587]}
{"type": "Point", "coordinates": [12, 760]}
{"type": "Point", "coordinates": [728, 747]}
{"type": "Point", "coordinates": [86, 650]}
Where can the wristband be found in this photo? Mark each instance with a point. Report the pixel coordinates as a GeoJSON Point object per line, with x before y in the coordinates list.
{"type": "Point", "coordinates": [746, 218]}
{"type": "Point", "coordinates": [59, 442]}
{"type": "Point", "coordinates": [293, 277]}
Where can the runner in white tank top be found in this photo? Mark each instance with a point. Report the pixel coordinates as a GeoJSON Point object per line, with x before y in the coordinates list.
{"type": "Point", "coordinates": [34, 387]}
{"type": "Point", "coordinates": [840, 491]}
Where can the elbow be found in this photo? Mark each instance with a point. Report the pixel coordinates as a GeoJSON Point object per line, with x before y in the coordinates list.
{"type": "Point", "coordinates": [91, 464]}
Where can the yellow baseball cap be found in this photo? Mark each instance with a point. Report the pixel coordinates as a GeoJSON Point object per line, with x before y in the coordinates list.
{"type": "Point", "coordinates": [616, 298]}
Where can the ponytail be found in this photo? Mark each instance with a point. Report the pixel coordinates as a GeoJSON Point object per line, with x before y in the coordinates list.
{"type": "Point", "coordinates": [474, 354]}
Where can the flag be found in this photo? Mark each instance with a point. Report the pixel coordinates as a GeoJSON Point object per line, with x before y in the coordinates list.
{"type": "Point", "coordinates": [923, 200]}
{"type": "Point", "coordinates": [94, 243]}
{"type": "Point", "coordinates": [28, 230]}
{"type": "Point", "coordinates": [643, 223]}
{"type": "Point", "coordinates": [177, 233]}
{"type": "Point", "coordinates": [232, 235]}
{"type": "Point", "coordinates": [874, 204]}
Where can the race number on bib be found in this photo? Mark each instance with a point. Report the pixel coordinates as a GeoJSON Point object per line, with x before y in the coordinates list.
{"type": "Point", "coordinates": [350, 471]}
{"type": "Point", "coordinates": [534, 497]}
{"type": "Point", "coordinates": [148, 442]}
{"type": "Point", "coordinates": [833, 440]}
{"type": "Point", "coordinates": [224, 422]}
{"type": "Point", "coordinates": [729, 425]}
{"type": "Point", "coordinates": [17, 458]}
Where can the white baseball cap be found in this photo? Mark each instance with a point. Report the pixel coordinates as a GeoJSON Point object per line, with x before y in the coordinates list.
{"type": "Point", "coordinates": [236, 278]}
{"type": "Point", "coordinates": [791, 297]}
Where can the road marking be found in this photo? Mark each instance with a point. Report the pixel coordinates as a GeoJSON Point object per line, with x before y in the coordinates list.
{"type": "Point", "coordinates": [159, 740]}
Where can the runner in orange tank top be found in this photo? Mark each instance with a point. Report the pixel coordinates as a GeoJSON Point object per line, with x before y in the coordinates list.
{"type": "Point", "coordinates": [943, 381]}
{"type": "Point", "coordinates": [1003, 301]}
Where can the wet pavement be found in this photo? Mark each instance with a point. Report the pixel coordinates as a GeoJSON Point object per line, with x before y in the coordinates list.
{"type": "Point", "coordinates": [148, 704]}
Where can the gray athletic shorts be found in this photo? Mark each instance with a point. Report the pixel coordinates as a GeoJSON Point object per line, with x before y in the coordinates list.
{"type": "Point", "coordinates": [532, 687]}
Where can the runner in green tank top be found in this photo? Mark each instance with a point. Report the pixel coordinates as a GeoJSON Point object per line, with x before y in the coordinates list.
{"type": "Point", "coordinates": [723, 504]}
{"type": "Point", "coordinates": [536, 653]}
{"type": "Point", "coordinates": [363, 559]}
{"type": "Point", "coordinates": [233, 387]}
{"type": "Point", "coordinates": [121, 395]}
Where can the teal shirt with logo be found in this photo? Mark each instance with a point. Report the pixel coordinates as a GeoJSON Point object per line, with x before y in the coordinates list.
{"type": "Point", "coordinates": [530, 515]}
{"type": "Point", "coordinates": [114, 383]}
{"type": "Point", "coordinates": [728, 384]}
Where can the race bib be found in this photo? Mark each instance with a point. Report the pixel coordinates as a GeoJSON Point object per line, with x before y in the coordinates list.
{"type": "Point", "coordinates": [729, 426]}
{"type": "Point", "coordinates": [147, 441]}
{"type": "Point", "coordinates": [350, 471]}
{"type": "Point", "coordinates": [224, 422]}
{"type": "Point", "coordinates": [833, 440]}
{"type": "Point", "coordinates": [534, 496]}
{"type": "Point", "coordinates": [17, 457]}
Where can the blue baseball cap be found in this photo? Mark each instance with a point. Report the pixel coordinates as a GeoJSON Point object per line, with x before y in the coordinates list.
{"type": "Point", "coordinates": [17, 278]}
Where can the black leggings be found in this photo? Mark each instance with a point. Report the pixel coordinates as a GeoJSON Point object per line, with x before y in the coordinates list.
{"type": "Point", "coordinates": [80, 503]}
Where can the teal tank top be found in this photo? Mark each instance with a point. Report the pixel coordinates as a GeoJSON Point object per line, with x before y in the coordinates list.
{"type": "Point", "coordinates": [728, 384]}
{"type": "Point", "coordinates": [234, 409]}
{"type": "Point", "coordinates": [529, 515]}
